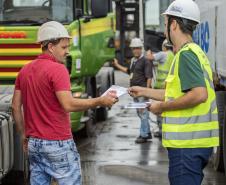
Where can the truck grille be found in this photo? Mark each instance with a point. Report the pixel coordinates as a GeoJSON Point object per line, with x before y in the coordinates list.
{"type": "Point", "coordinates": [14, 56]}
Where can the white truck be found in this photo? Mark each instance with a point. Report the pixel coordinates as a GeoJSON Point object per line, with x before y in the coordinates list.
{"type": "Point", "coordinates": [211, 36]}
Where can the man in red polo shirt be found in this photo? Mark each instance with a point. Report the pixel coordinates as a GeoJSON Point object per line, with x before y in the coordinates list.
{"type": "Point", "coordinates": [43, 90]}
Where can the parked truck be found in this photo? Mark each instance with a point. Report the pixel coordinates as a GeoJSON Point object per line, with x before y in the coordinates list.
{"type": "Point", "coordinates": [91, 25]}
{"type": "Point", "coordinates": [211, 36]}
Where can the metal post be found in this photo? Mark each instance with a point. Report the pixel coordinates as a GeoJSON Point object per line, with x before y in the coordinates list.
{"type": "Point", "coordinates": [141, 19]}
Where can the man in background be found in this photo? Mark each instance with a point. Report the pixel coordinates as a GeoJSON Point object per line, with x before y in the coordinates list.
{"type": "Point", "coordinates": [140, 72]}
{"type": "Point", "coordinates": [163, 60]}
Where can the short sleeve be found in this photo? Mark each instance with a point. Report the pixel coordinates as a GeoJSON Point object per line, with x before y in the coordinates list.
{"type": "Point", "coordinates": [148, 69]}
{"type": "Point", "coordinates": [160, 56]}
{"type": "Point", "coordinates": [190, 71]}
{"type": "Point", "coordinates": [17, 83]}
{"type": "Point", "coordinates": [60, 78]}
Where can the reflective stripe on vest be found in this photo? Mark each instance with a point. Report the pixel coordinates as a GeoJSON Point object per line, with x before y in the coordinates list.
{"type": "Point", "coordinates": [191, 120]}
{"type": "Point", "coordinates": [191, 135]}
{"type": "Point", "coordinates": [194, 119]}
{"type": "Point", "coordinates": [192, 127]}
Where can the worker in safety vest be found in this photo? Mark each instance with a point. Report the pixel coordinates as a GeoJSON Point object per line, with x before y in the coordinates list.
{"type": "Point", "coordinates": [162, 60]}
{"type": "Point", "coordinates": [188, 104]}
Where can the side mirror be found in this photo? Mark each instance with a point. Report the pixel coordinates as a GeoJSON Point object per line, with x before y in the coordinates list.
{"type": "Point", "coordinates": [99, 8]}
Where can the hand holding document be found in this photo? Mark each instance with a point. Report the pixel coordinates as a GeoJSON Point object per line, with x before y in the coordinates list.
{"type": "Point", "coordinates": [118, 89]}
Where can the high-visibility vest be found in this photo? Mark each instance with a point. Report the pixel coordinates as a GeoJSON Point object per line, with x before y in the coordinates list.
{"type": "Point", "coordinates": [162, 71]}
{"type": "Point", "coordinates": [195, 127]}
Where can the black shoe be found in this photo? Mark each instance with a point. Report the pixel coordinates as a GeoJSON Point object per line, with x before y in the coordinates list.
{"type": "Point", "coordinates": [158, 134]}
{"type": "Point", "coordinates": [141, 140]}
{"type": "Point", "coordinates": [149, 136]}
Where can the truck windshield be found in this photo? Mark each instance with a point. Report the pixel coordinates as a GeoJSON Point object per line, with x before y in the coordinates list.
{"type": "Point", "coordinates": [30, 12]}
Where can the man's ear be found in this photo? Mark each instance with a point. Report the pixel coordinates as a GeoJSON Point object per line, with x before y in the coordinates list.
{"type": "Point", "coordinates": [50, 47]}
{"type": "Point", "coordinates": [174, 25]}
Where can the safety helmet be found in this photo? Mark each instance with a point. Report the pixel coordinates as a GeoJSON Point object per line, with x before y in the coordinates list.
{"type": "Point", "coordinates": [52, 30]}
{"type": "Point", "coordinates": [136, 43]}
{"type": "Point", "coordinates": [186, 9]}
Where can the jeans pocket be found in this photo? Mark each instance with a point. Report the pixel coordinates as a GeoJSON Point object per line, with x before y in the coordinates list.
{"type": "Point", "coordinates": [32, 147]}
{"type": "Point", "coordinates": [59, 162]}
{"type": "Point", "coordinates": [74, 157]}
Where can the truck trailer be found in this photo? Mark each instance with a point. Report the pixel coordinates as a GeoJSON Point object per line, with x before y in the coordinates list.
{"type": "Point", "coordinates": [210, 35]}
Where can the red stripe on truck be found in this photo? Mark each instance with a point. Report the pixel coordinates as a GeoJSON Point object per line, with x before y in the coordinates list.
{"type": "Point", "coordinates": [17, 57]}
{"type": "Point", "coordinates": [20, 46]}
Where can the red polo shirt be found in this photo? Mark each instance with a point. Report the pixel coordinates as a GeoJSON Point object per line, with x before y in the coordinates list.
{"type": "Point", "coordinates": [38, 82]}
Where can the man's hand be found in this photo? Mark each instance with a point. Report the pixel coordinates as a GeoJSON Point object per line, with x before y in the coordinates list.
{"type": "Point", "coordinates": [109, 99]}
{"type": "Point", "coordinates": [115, 62]}
{"type": "Point", "coordinates": [156, 108]}
{"type": "Point", "coordinates": [136, 91]}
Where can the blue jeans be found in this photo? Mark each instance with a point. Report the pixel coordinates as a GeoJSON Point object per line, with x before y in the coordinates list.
{"type": "Point", "coordinates": [54, 159]}
{"type": "Point", "coordinates": [143, 114]}
{"type": "Point", "coordinates": [186, 165]}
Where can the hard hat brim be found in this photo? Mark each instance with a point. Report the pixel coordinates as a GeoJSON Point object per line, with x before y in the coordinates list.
{"type": "Point", "coordinates": [180, 16]}
{"type": "Point", "coordinates": [39, 41]}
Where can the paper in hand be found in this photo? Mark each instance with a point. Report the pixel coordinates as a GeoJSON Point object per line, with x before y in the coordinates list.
{"type": "Point", "coordinates": [119, 90]}
{"type": "Point", "coordinates": [137, 105]}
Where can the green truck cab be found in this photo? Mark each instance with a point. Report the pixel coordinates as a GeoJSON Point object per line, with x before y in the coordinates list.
{"type": "Point", "coordinates": [91, 25]}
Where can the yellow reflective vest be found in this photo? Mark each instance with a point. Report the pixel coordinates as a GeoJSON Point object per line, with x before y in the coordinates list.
{"type": "Point", "coordinates": [195, 127]}
{"type": "Point", "coordinates": [163, 70]}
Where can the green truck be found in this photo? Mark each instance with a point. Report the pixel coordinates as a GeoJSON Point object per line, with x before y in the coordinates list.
{"type": "Point", "coordinates": [91, 25]}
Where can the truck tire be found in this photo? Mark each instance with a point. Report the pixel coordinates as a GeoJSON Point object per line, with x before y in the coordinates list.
{"type": "Point", "coordinates": [218, 161]}
{"type": "Point", "coordinates": [105, 83]}
{"type": "Point", "coordinates": [18, 177]}
{"type": "Point", "coordinates": [90, 125]}
{"type": "Point", "coordinates": [101, 114]}
{"type": "Point", "coordinates": [111, 76]}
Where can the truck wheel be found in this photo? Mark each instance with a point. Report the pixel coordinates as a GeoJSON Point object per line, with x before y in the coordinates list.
{"type": "Point", "coordinates": [111, 76]}
{"type": "Point", "coordinates": [14, 177]}
{"type": "Point", "coordinates": [101, 114]}
{"type": "Point", "coordinates": [218, 161]}
{"type": "Point", "coordinates": [90, 125]}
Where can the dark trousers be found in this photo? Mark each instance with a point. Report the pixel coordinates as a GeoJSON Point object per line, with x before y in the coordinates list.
{"type": "Point", "coordinates": [186, 165]}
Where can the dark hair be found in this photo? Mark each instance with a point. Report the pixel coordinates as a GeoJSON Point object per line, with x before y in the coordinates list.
{"type": "Point", "coordinates": [47, 42]}
{"type": "Point", "coordinates": [186, 26]}
{"type": "Point", "coordinates": [168, 47]}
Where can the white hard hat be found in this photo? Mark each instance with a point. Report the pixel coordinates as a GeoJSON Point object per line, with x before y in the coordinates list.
{"type": "Point", "coordinates": [52, 30]}
{"type": "Point", "coordinates": [136, 43]}
{"type": "Point", "coordinates": [187, 9]}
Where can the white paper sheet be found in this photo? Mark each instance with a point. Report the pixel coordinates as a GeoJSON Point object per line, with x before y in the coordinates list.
{"type": "Point", "coordinates": [134, 105]}
{"type": "Point", "coordinates": [119, 90]}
